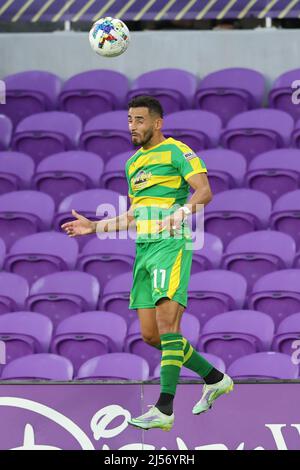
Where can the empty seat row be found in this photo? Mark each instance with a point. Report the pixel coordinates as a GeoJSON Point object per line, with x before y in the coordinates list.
{"type": "Point", "coordinates": [275, 172]}
{"type": "Point", "coordinates": [83, 336]}
{"type": "Point", "coordinates": [225, 92]}
{"type": "Point", "coordinates": [252, 254]}
{"type": "Point", "coordinates": [231, 213]}
{"type": "Point", "coordinates": [65, 293]}
{"type": "Point", "coordinates": [249, 133]}
{"type": "Point", "coordinates": [130, 367]}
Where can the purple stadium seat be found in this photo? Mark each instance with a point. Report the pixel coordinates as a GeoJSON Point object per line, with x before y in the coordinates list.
{"type": "Point", "coordinates": [107, 258]}
{"type": "Point", "coordinates": [95, 91]}
{"type": "Point", "coordinates": [39, 366]}
{"type": "Point", "coordinates": [188, 374]}
{"type": "Point", "coordinates": [44, 134]}
{"type": "Point", "coordinates": [69, 172]}
{"type": "Point", "coordinates": [209, 256]}
{"type": "Point", "coordinates": [135, 344]}
{"type": "Point", "coordinates": [258, 131]}
{"type": "Point", "coordinates": [215, 291]}
{"type": "Point", "coordinates": [285, 216]}
{"type": "Point", "coordinates": [24, 333]}
{"type": "Point", "coordinates": [234, 334]}
{"type": "Point", "coordinates": [95, 204]}
{"type": "Point", "coordinates": [287, 337]}
{"type": "Point", "coordinates": [115, 366]}
{"type": "Point", "coordinates": [87, 335]}
{"type": "Point", "coordinates": [275, 173]}
{"type": "Point", "coordinates": [115, 296]}
{"type": "Point", "coordinates": [198, 129]}
{"type": "Point", "coordinates": [277, 294]}
{"type": "Point", "coordinates": [237, 211]}
{"type": "Point", "coordinates": [280, 96]}
{"type": "Point", "coordinates": [29, 93]}
{"type": "Point", "coordinates": [2, 253]}
{"type": "Point", "coordinates": [255, 254]}
{"type": "Point", "coordinates": [23, 213]}
{"type": "Point", "coordinates": [296, 134]}
{"type": "Point", "coordinates": [40, 254]}
{"type": "Point", "coordinates": [5, 131]}
{"type": "Point", "coordinates": [14, 290]}
{"type": "Point", "coordinates": [16, 171]}
{"type": "Point", "coordinates": [107, 134]}
{"type": "Point", "coordinates": [174, 88]}
{"type": "Point", "coordinates": [60, 295]}
{"type": "Point", "coordinates": [230, 91]}
{"type": "Point", "coordinates": [226, 169]}
{"type": "Point", "coordinates": [263, 365]}
{"type": "Point", "coordinates": [114, 177]}
{"type": "Point", "coordinates": [297, 260]}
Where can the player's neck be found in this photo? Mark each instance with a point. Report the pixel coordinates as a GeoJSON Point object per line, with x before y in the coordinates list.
{"type": "Point", "coordinates": [154, 142]}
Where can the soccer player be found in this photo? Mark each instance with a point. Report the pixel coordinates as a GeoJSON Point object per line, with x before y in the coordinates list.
{"type": "Point", "coordinates": [159, 175]}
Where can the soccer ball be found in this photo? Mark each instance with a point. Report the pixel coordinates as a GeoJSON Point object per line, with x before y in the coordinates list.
{"type": "Point", "coordinates": [109, 37]}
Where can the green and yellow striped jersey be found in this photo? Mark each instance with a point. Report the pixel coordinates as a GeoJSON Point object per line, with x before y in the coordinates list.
{"type": "Point", "coordinates": [157, 182]}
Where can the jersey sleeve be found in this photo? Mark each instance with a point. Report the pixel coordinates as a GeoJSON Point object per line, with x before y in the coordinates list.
{"type": "Point", "coordinates": [130, 193]}
{"type": "Point", "coordinates": [187, 162]}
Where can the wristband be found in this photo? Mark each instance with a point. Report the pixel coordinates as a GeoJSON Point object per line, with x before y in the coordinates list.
{"type": "Point", "coordinates": [186, 210]}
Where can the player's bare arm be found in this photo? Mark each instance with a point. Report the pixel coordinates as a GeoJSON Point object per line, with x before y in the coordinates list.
{"type": "Point", "coordinates": [83, 226]}
{"type": "Point", "coordinates": [202, 195]}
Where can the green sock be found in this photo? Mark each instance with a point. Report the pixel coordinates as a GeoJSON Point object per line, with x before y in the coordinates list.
{"type": "Point", "coordinates": [193, 360]}
{"type": "Point", "coordinates": [171, 361]}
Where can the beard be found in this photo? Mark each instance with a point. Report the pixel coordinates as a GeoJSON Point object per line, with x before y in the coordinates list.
{"type": "Point", "coordinates": [141, 142]}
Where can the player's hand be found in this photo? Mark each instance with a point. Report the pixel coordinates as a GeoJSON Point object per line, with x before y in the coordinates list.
{"type": "Point", "coordinates": [80, 226]}
{"type": "Point", "coordinates": [172, 222]}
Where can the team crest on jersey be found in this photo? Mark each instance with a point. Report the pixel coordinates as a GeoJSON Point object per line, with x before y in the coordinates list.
{"type": "Point", "coordinates": [141, 179]}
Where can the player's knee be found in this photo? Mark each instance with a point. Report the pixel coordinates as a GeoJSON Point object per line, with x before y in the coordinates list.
{"type": "Point", "coordinates": [150, 339]}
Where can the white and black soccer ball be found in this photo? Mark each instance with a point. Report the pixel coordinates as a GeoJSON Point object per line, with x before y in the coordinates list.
{"type": "Point", "coordinates": [109, 37]}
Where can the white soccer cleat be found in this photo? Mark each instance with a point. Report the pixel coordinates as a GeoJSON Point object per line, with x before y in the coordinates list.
{"type": "Point", "coordinates": [153, 419]}
{"type": "Point", "coordinates": [211, 393]}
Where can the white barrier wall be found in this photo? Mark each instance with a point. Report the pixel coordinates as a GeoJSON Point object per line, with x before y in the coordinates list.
{"type": "Point", "coordinates": [271, 51]}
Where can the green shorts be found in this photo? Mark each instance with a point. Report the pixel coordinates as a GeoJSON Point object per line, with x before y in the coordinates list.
{"type": "Point", "coordinates": [161, 269]}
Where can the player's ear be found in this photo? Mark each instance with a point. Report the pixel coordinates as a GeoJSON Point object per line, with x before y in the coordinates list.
{"type": "Point", "coordinates": [158, 124]}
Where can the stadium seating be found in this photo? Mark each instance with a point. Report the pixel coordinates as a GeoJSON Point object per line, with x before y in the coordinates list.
{"type": "Point", "coordinates": [115, 366]}
{"type": "Point", "coordinates": [215, 291]}
{"type": "Point", "coordinates": [275, 173]}
{"type": "Point", "coordinates": [258, 131]}
{"type": "Point", "coordinates": [95, 91]}
{"type": "Point", "coordinates": [174, 88]}
{"type": "Point", "coordinates": [38, 367]}
{"type": "Point", "coordinates": [277, 293]}
{"type": "Point", "coordinates": [16, 171]}
{"type": "Point", "coordinates": [89, 334]}
{"type": "Point", "coordinates": [30, 92]}
{"type": "Point", "coordinates": [64, 301]}
{"type": "Point", "coordinates": [255, 254]}
{"type": "Point", "coordinates": [280, 95]}
{"type": "Point", "coordinates": [69, 172]}
{"type": "Point", "coordinates": [225, 169]}
{"type": "Point", "coordinates": [198, 129]}
{"type": "Point", "coordinates": [237, 333]}
{"type": "Point", "coordinates": [264, 365]}
{"type": "Point", "coordinates": [40, 254]}
{"type": "Point", "coordinates": [107, 258]}
{"type": "Point", "coordinates": [5, 131]}
{"type": "Point", "coordinates": [44, 134]}
{"type": "Point", "coordinates": [230, 91]}
{"type": "Point", "coordinates": [62, 294]}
